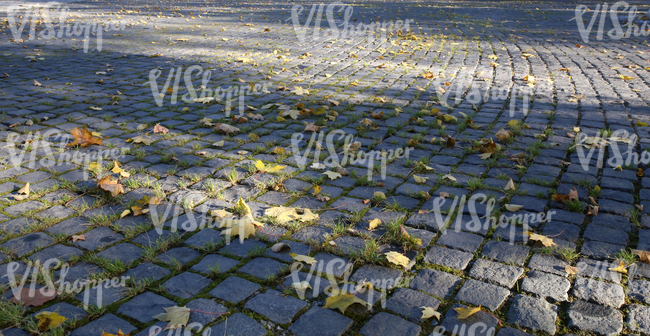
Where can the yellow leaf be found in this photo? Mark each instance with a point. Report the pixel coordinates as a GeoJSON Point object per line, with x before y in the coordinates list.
{"type": "Point", "coordinates": [485, 156]}
{"type": "Point", "coordinates": [253, 136]}
{"type": "Point", "coordinates": [301, 286]}
{"type": "Point", "coordinates": [111, 186]}
{"type": "Point", "coordinates": [118, 170]}
{"type": "Point", "coordinates": [510, 185]}
{"type": "Point", "coordinates": [378, 195]}
{"type": "Point", "coordinates": [642, 124]}
{"type": "Point", "coordinates": [449, 177]}
{"type": "Point", "coordinates": [244, 227]}
{"type": "Point", "coordinates": [625, 77]}
{"type": "Point", "coordinates": [279, 150]}
{"type": "Point", "coordinates": [141, 139]}
{"type": "Point", "coordinates": [124, 213]}
{"type": "Point", "coordinates": [268, 169]}
{"type": "Point", "coordinates": [303, 258]}
{"type": "Point", "coordinates": [502, 134]}
{"type": "Point", "coordinates": [571, 270]}
{"type": "Point", "coordinates": [428, 312]}
{"type": "Point", "coordinates": [49, 320]}
{"type": "Point", "coordinates": [545, 241]}
{"type": "Point", "coordinates": [373, 224]}
{"type": "Point", "coordinates": [285, 215]}
{"type": "Point", "coordinates": [513, 123]}
{"type": "Point", "coordinates": [317, 189]}
{"type": "Point", "coordinates": [420, 179]}
{"type": "Point", "coordinates": [619, 168]}
{"type": "Point", "coordinates": [138, 210]}
{"type": "Point", "coordinates": [465, 312]}
{"type": "Point", "coordinates": [620, 268]}
{"type": "Point", "coordinates": [119, 333]}
{"type": "Point", "coordinates": [342, 300]}
{"type": "Point", "coordinates": [397, 259]}
{"type": "Point", "coordinates": [176, 316]}
{"type": "Point", "coordinates": [576, 129]}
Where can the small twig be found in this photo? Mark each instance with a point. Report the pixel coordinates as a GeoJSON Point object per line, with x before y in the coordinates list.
{"type": "Point", "coordinates": [74, 199]}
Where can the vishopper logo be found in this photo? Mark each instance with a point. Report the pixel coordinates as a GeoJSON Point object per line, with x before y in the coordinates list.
{"type": "Point", "coordinates": [472, 94]}
{"type": "Point", "coordinates": [50, 290]}
{"type": "Point", "coordinates": [338, 18]}
{"type": "Point", "coordinates": [45, 16]}
{"type": "Point", "coordinates": [207, 94]}
{"type": "Point", "coordinates": [586, 146]}
{"type": "Point", "coordinates": [464, 329]}
{"type": "Point", "coordinates": [352, 154]}
{"type": "Point", "coordinates": [615, 33]}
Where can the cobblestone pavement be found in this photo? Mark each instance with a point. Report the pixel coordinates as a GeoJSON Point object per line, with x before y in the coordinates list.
{"type": "Point", "coordinates": [460, 73]}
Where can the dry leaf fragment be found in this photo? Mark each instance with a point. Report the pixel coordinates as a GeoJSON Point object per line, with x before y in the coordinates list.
{"type": "Point", "coordinates": [118, 170]}
{"type": "Point", "coordinates": [225, 128]}
{"type": "Point", "coordinates": [365, 201]}
{"type": "Point", "coordinates": [541, 239]}
{"type": "Point", "coordinates": [119, 333]}
{"type": "Point", "coordinates": [24, 191]}
{"type": "Point", "coordinates": [620, 268]}
{"type": "Point", "coordinates": [342, 300]}
{"type": "Point", "coordinates": [84, 138]}
{"type": "Point", "coordinates": [373, 224]}
{"type": "Point", "coordinates": [510, 185]}
{"type": "Point", "coordinates": [301, 286]}
{"type": "Point", "coordinates": [36, 83]}
{"type": "Point", "coordinates": [444, 195]}
{"type": "Point", "coordinates": [160, 129]}
{"type": "Point", "coordinates": [176, 316]}
{"type": "Point", "coordinates": [143, 139]}
{"type": "Point", "coordinates": [332, 175]}
{"type": "Point", "coordinates": [397, 259]}
{"type": "Point", "coordinates": [429, 312]}
{"type": "Point", "coordinates": [271, 168]}
{"type": "Point", "coordinates": [449, 177]}
{"type": "Point", "coordinates": [465, 312]}
{"type": "Point", "coordinates": [502, 134]}
{"type": "Point", "coordinates": [513, 207]}
{"type": "Point", "coordinates": [111, 186]}
{"type": "Point", "coordinates": [279, 247]}
{"type": "Point", "coordinates": [303, 258]}
{"type": "Point", "coordinates": [643, 255]}
{"type": "Point", "coordinates": [420, 179]}
{"type": "Point", "coordinates": [78, 237]}
{"type": "Point", "coordinates": [285, 214]}
{"type": "Point", "coordinates": [571, 270]}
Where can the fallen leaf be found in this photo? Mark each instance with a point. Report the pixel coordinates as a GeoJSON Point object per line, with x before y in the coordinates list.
{"type": "Point", "coordinates": [176, 316]}
{"type": "Point", "coordinates": [141, 139]}
{"type": "Point", "coordinates": [35, 298]}
{"type": "Point", "coordinates": [301, 286]}
{"type": "Point", "coordinates": [625, 77]}
{"type": "Point", "coordinates": [420, 179]}
{"type": "Point", "coordinates": [111, 186]}
{"type": "Point", "coordinates": [541, 239]}
{"type": "Point", "coordinates": [465, 312]}
{"type": "Point", "coordinates": [271, 168]}
{"type": "Point", "coordinates": [342, 300]}
{"type": "Point", "coordinates": [118, 170]}
{"type": "Point", "coordinates": [502, 134]}
{"type": "Point", "coordinates": [620, 268]}
{"type": "Point", "coordinates": [78, 237]}
{"type": "Point", "coordinates": [397, 259]}
{"type": "Point", "coordinates": [373, 224]}
{"type": "Point", "coordinates": [571, 270]}
{"type": "Point", "coordinates": [510, 185]}
{"type": "Point", "coordinates": [449, 177]}
{"type": "Point", "coordinates": [378, 195]}
{"type": "Point", "coordinates": [285, 214]}
{"type": "Point", "coordinates": [643, 255]}
{"type": "Point", "coordinates": [332, 175]}
{"type": "Point", "coordinates": [49, 320]}
{"type": "Point", "coordinates": [303, 258]}
{"type": "Point", "coordinates": [225, 128]}
{"type": "Point", "coordinates": [639, 172]}
{"type": "Point", "coordinates": [279, 247]}
{"type": "Point", "coordinates": [160, 129]}
{"type": "Point", "coordinates": [311, 127]}
{"type": "Point", "coordinates": [513, 207]}
{"type": "Point", "coordinates": [429, 312]}
{"type": "Point", "coordinates": [84, 138]}
{"type": "Point", "coordinates": [243, 227]}
{"type": "Point", "coordinates": [119, 333]}
{"type": "Point", "coordinates": [444, 195]}
{"type": "Point", "coordinates": [125, 213]}
{"type": "Point", "coordinates": [24, 191]}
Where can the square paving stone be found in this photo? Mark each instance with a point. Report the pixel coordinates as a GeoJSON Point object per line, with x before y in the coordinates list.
{"type": "Point", "coordinates": [17, 224]}
{"type": "Point", "coordinates": [183, 255]}
{"type": "Point", "coordinates": [27, 243]}
{"type": "Point", "coordinates": [213, 262]}
{"type": "Point", "coordinates": [21, 208]}
{"type": "Point", "coordinates": [204, 237]}
{"type": "Point", "coordinates": [476, 322]}
{"type": "Point", "coordinates": [108, 323]}
{"type": "Point", "coordinates": [56, 212]}
{"type": "Point", "coordinates": [495, 273]}
{"type": "Point", "coordinates": [435, 282]}
{"type": "Point", "coordinates": [79, 271]}
{"type": "Point", "coordinates": [100, 296]}
{"type": "Point", "coordinates": [447, 257]}
{"type": "Point", "coordinates": [379, 276]}
{"type": "Point", "coordinates": [605, 234]}
{"type": "Point", "coordinates": [599, 292]}
{"type": "Point", "coordinates": [186, 285]}
{"type": "Point", "coordinates": [312, 234]}
{"type": "Point", "coordinates": [350, 245]}
{"type": "Point", "coordinates": [275, 306]}
{"type": "Point", "coordinates": [69, 226]}
{"type": "Point", "coordinates": [505, 252]}
{"type": "Point", "coordinates": [66, 310]}
{"type": "Point", "coordinates": [147, 271]}
{"type": "Point", "coordinates": [532, 313]}
{"type": "Point", "coordinates": [562, 231]}
{"type": "Point", "coordinates": [349, 204]}
{"type": "Point", "coordinates": [205, 305]}
{"type": "Point", "coordinates": [238, 325]}
{"type": "Point", "coordinates": [152, 237]}
{"type": "Point", "coordinates": [407, 302]}
{"type": "Point", "coordinates": [321, 322]}
{"type": "Point", "coordinates": [638, 319]}
{"type": "Point", "coordinates": [482, 294]}
{"type": "Point", "coordinates": [597, 319]}
{"type": "Point", "coordinates": [263, 268]}
{"type": "Point", "coordinates": [548, 264]}
{"type": "Point", "coordinates": [332, 264]}
{"type": "Point", "coordinates": [639, 290]}
{"type": "Point", "coordinates": [58, 251]}
{"type": "Point", "coordinates": [242, 249]}
{"type": "Point", "coordinates": [599, 250]}
{"type": "Point", "coordinates": [234, 289]}
{"type": "Point", "coordinates": [99, 237]}
{"type": "Point", "coordinates": [385, 324]}
{"type": "Point", "coordinates": [546, 285]}
{"type": "Point", "coordinates": [145, 306]}
{"type": "Point", "coordinates": [460, 240]}
{"type": "Point", "coordinates": [598, 270]}
{"type": "Point", "coordinates": [126, 253]}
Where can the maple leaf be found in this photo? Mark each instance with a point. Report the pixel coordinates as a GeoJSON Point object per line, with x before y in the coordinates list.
{"type": "Point", "coordinates": [83, 137]}
{"type": "Point", "coordinates": [143, 139]}
{"type": "Point", "coordinates": [24, 191]}
{"type": "Point", "coordinates": [465, 312]}
{"type": "Point", "coordinates": [373, 224]}
{"type": "Point", "coordinates": [620, 268]}
{"type": "Point", "coordinates": [292, 113]}
{"type": "Point", "coordinates": [111, 186]}
{"type": "Point", "coordinates": [268, 169]}
{"type": "Point", "coordinates": [285, 214]}
{"type": "Point", "coordinates": [49, 320]}
{"type": "Point", "coordinates": [160, 129]}
{"type": "Point", "coordinates": [244, 227]}
{"type": "Point", "coordinates": [225, 128]}
{"type": "Point", "coordinates": [541, 239]}
{"type": "Point", "coordinates": [177, 317]}
{"type": "Point", "coordinates": [28, 298]}
{"type": "Point", "coordinates": [332, 175]}
{"type": "Point", "coordinates": [118, 170]}
{"type": "Point", "coordinates": [342, 300]}
{"type": "Point", "coordinates": [643, 255]}
{"type": "Point", "coordinates": [397, 259]}
{"type": "Point", "coordinates": [428, 312]}
{"type": "Point", "coordinates": [303, 258]}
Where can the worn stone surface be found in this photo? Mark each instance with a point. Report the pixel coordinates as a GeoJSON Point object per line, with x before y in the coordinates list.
{"type": "Point", "coordinates": [594, 318]}
{"type": "Point", "coordinates": [532, 313]}
{"type": "Point", "coordinates": [546, 285]}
